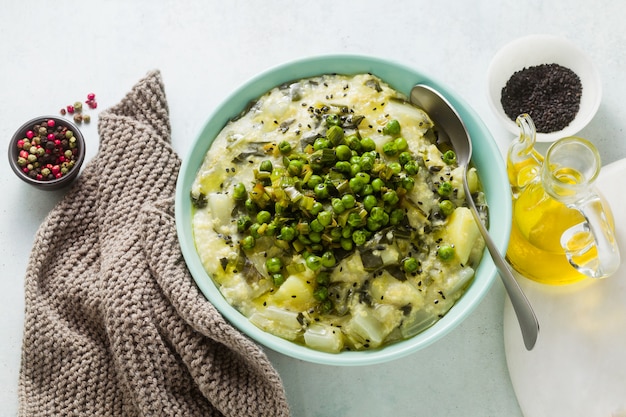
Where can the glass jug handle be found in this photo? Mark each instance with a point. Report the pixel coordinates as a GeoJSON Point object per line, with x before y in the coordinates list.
{"type": "Point", "coordinates": [571, 166]}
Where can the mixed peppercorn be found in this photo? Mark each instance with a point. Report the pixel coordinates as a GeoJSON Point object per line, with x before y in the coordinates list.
{"type": "Point", "coordinates": [48, 151]}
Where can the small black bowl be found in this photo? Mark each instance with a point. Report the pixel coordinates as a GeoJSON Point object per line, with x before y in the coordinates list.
{"type": "Point", "coordinates": [41, 183]}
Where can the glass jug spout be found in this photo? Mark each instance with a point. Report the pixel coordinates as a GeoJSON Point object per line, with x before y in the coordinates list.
{"type": "Point", "coordinates": [523, 161]}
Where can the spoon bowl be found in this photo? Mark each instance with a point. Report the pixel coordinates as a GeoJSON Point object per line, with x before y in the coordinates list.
{"type": "Point", "coordinates": [452, 129]}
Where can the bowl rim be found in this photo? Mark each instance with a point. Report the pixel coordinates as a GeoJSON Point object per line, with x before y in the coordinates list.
{"type": "Point", "coordinates": [20, 133]}
{"type": "Point", "coordinates": [391, 72]}
{"type": "Point", "coordinates": [536, 49]}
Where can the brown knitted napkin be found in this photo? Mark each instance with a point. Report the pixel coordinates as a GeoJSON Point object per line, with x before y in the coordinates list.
{"type": "Point", "coordinates": [115, 325]}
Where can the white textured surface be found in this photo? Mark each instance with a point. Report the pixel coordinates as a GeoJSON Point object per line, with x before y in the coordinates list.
{"type": "Point", "coordinates": [54, 53]}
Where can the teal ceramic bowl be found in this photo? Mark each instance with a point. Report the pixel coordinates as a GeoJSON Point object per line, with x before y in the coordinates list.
{"type": "Point", "coordinates": [487, 158]}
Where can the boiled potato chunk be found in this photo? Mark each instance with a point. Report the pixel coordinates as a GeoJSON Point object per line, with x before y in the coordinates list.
{"type": "Point", "coordinates": [462, 232]}
{"type": "Point", "coordinates": [295, 294]}
{"type": "Point", "coordinates": [324, 337]}
{"type": "Point", "coordinates": [386, 289]}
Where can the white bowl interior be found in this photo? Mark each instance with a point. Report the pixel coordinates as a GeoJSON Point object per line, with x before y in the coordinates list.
{"type": "Point", "coordinates": [544, 49]}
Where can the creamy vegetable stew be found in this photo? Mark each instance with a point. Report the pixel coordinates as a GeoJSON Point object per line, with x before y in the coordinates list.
{"type": "Point", "coordinates": [329, 215]}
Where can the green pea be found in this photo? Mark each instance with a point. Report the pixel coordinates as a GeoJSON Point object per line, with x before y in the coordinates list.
{"type": "Point", "coordinates": [315, 237]}
{"type": "Point", "coordinates": [273, 265]}
{"type": "Point", "coordinates": [348, 201]}
{"type": "Point", "coordinates": [343, 152]}
{"type": "Point", "coordinates": [251, 206]}
{"type": "Point", "coordinates": [254, 230]}
{"type": "Point", "coordinates": [320, 293]}
{"type": "Point", "coordinates": [243, 223]}
{"type": "Point", "coordinates": [390, 149]}
{"type": "Point", "coordinates": [248, 242]}
{"type": "Point", "coordinates": [446, 207]}
{"type": "Point", "coordinates": [445, 189]}
{"type": "Point", "coordinates": [411, 168]}
{"type": "Point", "coordinates": [314, 262]}
{"type": "Point", "coordinates": [346, 231]}
{"type": "Point", "coordinates": [314, 180]}
{"type": "Point", "coordinates": [287, 233]}
{"type": "Point", "coordinates": [378, 184]}
{"type": "Point", "coordinates": [405, 157]}
{"type": "Point", "coordinates": [295, 167]}
{"type": "Point", "coordinates": [239, 191]}
{"type": "Point", "coordinates": [263, 216]}
{"type": "Point", "coordinates": [369, 202]}
{"type": "Point", "coordinates": [332, 120]}
{"type": "Point", "coordinates": [337, 205]}
{"type": "Point", "coordinates": [391, 198]}
{"type": "Point", "coordinates": [354, 143]}
{"type": "Point", "coordinates": [410, 265]}
{"type": "Point", "coordinates": [446, 252]}
{"type": "Point", "coordinates": [372, 224]}
{"type": "Point", "coordinates": [343, 167]}
{"type": "Point", "coordinates": [346, 244]}
{"type": "Point", "coordinates": [396, 217]}
{"type": "Point", "coordinates": [367, 190]}
{"type": "Point", "coordinates": [316, 226]}
{"type": "Point", "coordinates": [325, 218]}
{"type": "Point", "coordinates": [356, 184]}
{"type": "Point", "coordinates": [266, 166]}
{"type": "Point", "coordinates": [359, 237]}
{"type": "Point", "coordinates": [316, 209]}
{"type": "Point", "coordinates": [401, 144]}
{"type": "Point", "coordinates": [366, 163]}
{"type": "Point", "coordinates": [368, 144]}
{"type": "Point", "coordinates": [363, 176]}
{"type": "Point", "coordinates": [321, 143]}
{"type": "Point", "coordinates": [449, 157]}
{"type": "Point", "coordinates": [278, 279]}
{"type": "Point", "coordinates": [321, 190]}
{"type": "Point", "coordinates": [328, 259]}
{"type": "Point", "coordinates": [376, 213]}
{"type": "Point", "coordinates": [395, 167]}
{"type": "Point", "coordinates": [322, 278]}
{"type": "Point", "coordinates": [392, 127]}
{"type": "Point", "coordinates": [354, 219]}
{"type": "Point", "coordinates": [284, 147]}
{"type": "Point", "coordinates": [408, 183]}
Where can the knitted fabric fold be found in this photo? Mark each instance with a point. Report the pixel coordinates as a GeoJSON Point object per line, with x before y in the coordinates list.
{"type": "Point", "coordinates": [114, 323]}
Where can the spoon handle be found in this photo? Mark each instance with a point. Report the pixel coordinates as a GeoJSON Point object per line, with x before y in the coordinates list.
{"type": "Point", "coordinates": [523, 310]}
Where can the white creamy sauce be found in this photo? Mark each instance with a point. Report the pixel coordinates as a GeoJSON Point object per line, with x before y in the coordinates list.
{"type": "Point", "coordinates": [360, 307]}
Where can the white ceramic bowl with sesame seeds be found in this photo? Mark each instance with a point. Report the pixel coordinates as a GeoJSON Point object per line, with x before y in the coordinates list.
{"type": "Point", "coordinates": [535, 50]}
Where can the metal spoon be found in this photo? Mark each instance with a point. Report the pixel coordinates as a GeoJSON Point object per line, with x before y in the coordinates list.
{"type": "Point", "coordinates": [446, 117]}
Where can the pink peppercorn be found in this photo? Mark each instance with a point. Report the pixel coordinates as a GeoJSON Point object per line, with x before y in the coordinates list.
{"type": "Point", "coordinates": [51, 123]}
{"type": "Point", "coordinates": [50, 136]}
{"type": "Point", "coordinates": [30, 134]}
{"type": "Point", "coordinates": [91, 96]}
{"type": "Point", "coordinates": [20, 143]}
{"type": "Point", "coordinates": [70, 109]}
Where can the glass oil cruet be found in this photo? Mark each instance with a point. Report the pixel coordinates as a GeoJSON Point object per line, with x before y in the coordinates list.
{"type": "Point", "coordinates": [562, 229]}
